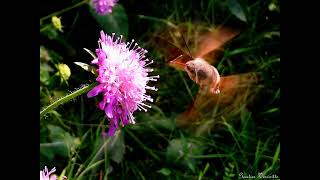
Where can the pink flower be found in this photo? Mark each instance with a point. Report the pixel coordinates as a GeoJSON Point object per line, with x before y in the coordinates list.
{"type": "Point", "coordinates": [122, 78]}
{"type": "Point", "coordinates": [45, 175]}
{"type": "Point", "coordinates": [104, 7]}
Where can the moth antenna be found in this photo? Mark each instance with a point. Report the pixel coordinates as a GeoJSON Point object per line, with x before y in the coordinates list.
{"type": "Point", "coordinates": [176, 62]}
{"type": "Point", "coordinates": [185, 42]}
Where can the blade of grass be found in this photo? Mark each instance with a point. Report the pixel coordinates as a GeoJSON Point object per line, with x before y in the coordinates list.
{"type": "Point", "coordinates": [186, 85]}
{"type": "Point", "coordinates": [274, 160]}
{"type": "Point", "coordinates": [234, 133]}
{"type": "Point", "coordinates": [204, 171]}
{"type": "Point", "coordinates": [143, 146]}
{"type": "Point", "coordinates": [90, 167]}
{"type": "Point", "coordinates": [158, 20]}
{"type": "Point", "coordinates": [209, 156]}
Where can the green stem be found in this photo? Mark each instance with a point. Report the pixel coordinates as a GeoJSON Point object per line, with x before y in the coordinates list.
{"type": "Point", "coordinates": [44, 28]}
{"type": "Point", "coordinates": [64, 10]}
{"type": "Point", "coordinates": [158, 20]}
{"type": "Point", "coordinates": [90, 167]}
{"type": "Point", "coordinates": [143, 146]}
{"type": "Point", "coordinates": [66, 99]}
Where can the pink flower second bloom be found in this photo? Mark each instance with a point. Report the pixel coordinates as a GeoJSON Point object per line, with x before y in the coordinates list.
{"type": "Point", "coordinates": [122, 78]}
{"type": "Point", "coordinates": [45, 174]}
{"type": "Point", "coordinates": [104, 7]}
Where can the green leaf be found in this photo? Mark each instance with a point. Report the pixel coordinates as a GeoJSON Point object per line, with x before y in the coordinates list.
{"type": "Point", "coordinates": [160, 123]}
{"type": "Point", "coordinates": [62, 142]}
{"type": "Point", "coordinates": [174, 150]}
{"type": "Point", "coordinates": [61, 177]}
{"type": "Point", "coordinates": [57, 147]}
{"type": "Point", "coordinates": [274, 6]}
{"type": "Point", "coordinates": [116, 147]}
{"type": "Point", "coordinates": [276, 155]}
{"type": "Point", "coordinates": [116, 22]}
{"type": "Point", "coordinates": [48, 153]}
{"type": "Point", "coordinates": [182, 151]}
{"type": "Point", "coordinates": [204, 171]}
{"type": "Point", "coordinates": [236, 9]}
{"type": "Point", "coordinates": [49, 31]}
{"type": "Point", "coordinates": [164, 171]}
{"type": "Point", "coordinates": [239, 51]}
{"type": "Point", "coordinates": [87, 67]}
{"type": "Point", "coordinates": [271, 34]}
{"type": "Point", "coordinates": [56, 132]}
{"type": "Point", "coordinates": [191, 165]}
{"type": "Point", "coordinates": [272, 110]}
{"type": "Point", "coordinates": [44, 73]}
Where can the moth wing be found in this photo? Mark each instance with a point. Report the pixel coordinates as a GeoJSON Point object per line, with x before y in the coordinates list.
{"type": "Point", "coordinates": [210, 41]}
{"type": "Point", "coordinates": [174, 56]}
{"type": "Point", "coordinates": [235, 90]}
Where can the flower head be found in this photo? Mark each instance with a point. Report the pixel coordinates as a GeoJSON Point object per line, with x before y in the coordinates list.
{"type": "Point", "coordinates": [104, 7]}
{"type": "Point", "coordinates": [64, 71]}
{"type": "Point", "coordinates": [57, 23]}
{"type": "Point", "coordinates": [123, 78]}
{"type": "Point", "coordinates": [45, 174]}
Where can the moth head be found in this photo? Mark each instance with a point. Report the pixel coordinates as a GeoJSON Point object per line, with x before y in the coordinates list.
{"type": "Point", "coordinates": [198, 70]}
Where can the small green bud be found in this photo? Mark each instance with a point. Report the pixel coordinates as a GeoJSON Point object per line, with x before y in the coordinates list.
{"type": "Point", "coordinates": [64, 71]}
{"type": "Point", "coordinates": [57, 23]}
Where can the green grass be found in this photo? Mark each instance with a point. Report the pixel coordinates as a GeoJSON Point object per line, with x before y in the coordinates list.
{"type": "Point", "coordinates": [247, 140]}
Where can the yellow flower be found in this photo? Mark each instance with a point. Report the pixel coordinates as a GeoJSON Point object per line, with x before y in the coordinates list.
{"type": "Point", "coordinates": [57, 23]}
{"type": "Point", "coordinates": [64, 71]}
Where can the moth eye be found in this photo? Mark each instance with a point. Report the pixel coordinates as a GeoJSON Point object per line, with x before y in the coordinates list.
{"type": "Point", "coordinates": [190, 69]}
{"type": "Point", "coordinates": [201, 75]}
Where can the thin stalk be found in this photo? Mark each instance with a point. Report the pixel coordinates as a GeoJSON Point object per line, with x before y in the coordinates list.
{"type": "Point", "coordinates": [143, 146]}
{"type": "Point", "coordinates": [63, 10]}
{"type": "Point", "coordinates": [158, 20]}
{"type": "Point", "coordinates": [66, 99]}
{"type": "Point", "coordinates": [44, 28]}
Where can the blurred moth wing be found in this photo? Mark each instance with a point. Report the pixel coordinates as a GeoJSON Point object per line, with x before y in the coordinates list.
{"type": "Point", "coordinates": [174, 56]}
{"type": "Point", "coordinates": [205, 43]}
{"type": "Point", "coordinates": [235, 90]}
{"type": "Point", "coordinates": [213, 39]}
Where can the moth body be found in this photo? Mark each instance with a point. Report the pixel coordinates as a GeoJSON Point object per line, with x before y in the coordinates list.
{"type": "Point", "coordinates": [204, 74]}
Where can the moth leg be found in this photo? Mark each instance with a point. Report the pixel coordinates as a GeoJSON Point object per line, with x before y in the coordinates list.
{"type": "Point", "coordinates": [215, 89]}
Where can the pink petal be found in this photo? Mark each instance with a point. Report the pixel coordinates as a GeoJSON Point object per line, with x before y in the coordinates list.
{"type": "Point", "coordinates": [95, 61]}
{"type": "Point", "coordinates": [53, 177]}
{"type": "Point", "coordinates": [103, 36]}
{"type": "Point", "coordinates": [108, 111]}
{"type": "Point", "coordinates": [102, 105]}
{"type": "Point", "coordinates": [125, 120]}
{"type": "Point", "coordinates": [105, 100]}
{"type": "Point", "coordinates": [110, 107]}
{"type": "Point", "coordinates": [112, 130]}
{"type": "Point", "coordinates": [95, 91]}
